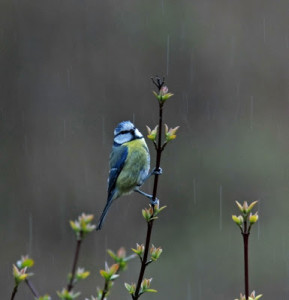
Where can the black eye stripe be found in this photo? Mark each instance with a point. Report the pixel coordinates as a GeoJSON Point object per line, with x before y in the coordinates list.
{"type": "Point", "coordinates": [126, 131]}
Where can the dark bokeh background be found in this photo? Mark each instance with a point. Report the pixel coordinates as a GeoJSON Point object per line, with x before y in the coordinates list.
{"type": "Point", "coordinates": [71, 70]}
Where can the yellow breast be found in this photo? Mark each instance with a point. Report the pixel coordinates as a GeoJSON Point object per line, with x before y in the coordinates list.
{"type": "Point", "coordinates": [136, 166]}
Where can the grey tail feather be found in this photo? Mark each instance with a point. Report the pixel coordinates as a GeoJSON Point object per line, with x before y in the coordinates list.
{"type": "Point", "coordinates": [105, 210]}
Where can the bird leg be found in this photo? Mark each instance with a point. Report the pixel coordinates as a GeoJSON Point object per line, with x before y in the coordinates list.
{"type": "Point", "coordinates": [155, 171]}
{"type": "Point", "coordinates": [153, 201]}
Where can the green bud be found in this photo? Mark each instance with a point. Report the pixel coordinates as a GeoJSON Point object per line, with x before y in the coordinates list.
{"type": "Point", "coordinates": [109, 273]}
{"type": "Point", "coordinates": [25, 261]}
{"type": "Point", "coordinates": [152, 134]}
{"type": "Point", "coordinates": [82, 274]}
{"type": "Point", "coordinates": [253, 218]}
{"type": "Point", "coordinates": [130, 288]}
{"type": "Point", "coordinates": [238, 220]}
{"type": "Point", "coordinates": [155, 252]}
{"type": "Point", "coordinates": [83, 225]}
{"type": "Point", "coordinates": [145, 286]}
{"type": "Point", "coordinates": [20, 274]}
{"type": "Point", "coordinates": [66, 295]}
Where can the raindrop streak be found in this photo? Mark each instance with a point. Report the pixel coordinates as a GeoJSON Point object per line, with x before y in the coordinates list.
{"type": "Point", "coordinates": [195, 190]}
{"type": "Point", "coordinates": [264, 30]}
{"type": "Point", "coordinates": [64, 129]}
{"type": "Point", "coordinates": [68, 77]}
{"type": "Point", "coordinates": [25, 145]}
{"type": "Point", "coordinates": [30, 238]}
{"type": "Point", "coordinates": [233, 43]}
{"type": "Point", "coordinates": [200, 290]}
{"type": "Point", "coordinates": [186, 103]}
{"type": "Point", "coordinates": [237, 97]}
{"type": "Point", "coordinates": [221, 207]}
{"type": "Point", "coordinates": [208, 109]}
{"type": "Point", "coordinates": [192, 67]}
{"type": "Point", "coordinates": [189, 291]}
{"type": "Point", "coordinates": [168, 53]}
{"type": "Point", "coordinates": [103, 130]}
{"type": "Point", "coordinates": [251, 111]}
{"type": "Point", "coordinates": [163, 7]}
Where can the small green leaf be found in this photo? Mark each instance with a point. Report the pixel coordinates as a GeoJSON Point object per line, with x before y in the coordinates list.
{"type": "Point", "coordinates": [112, 254]}
{"type": "Point", "coordinates": [239, 206]}
{"type": "Point", "coordinates": [104, 274]}
{"type": "Point", "coordinates": [130, 287]}
{"type": "Point", "coordinates": [65, 295]}
{"type": "Point", "coordinates": [151, 291]}
{"type": "Point", "coordinates": [28, 263]}
{"type": "Point", "coordinates": [113, 277]}
{"type": "Point", "coordinates": [250, 207]}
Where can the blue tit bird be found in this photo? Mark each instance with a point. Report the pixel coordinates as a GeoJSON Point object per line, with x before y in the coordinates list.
{"type": "Point", "coordinates": [129, 164]}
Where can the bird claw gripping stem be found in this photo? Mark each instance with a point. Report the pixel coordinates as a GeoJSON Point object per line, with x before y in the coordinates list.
{"type": "Point", "coordinates": [157, 171]}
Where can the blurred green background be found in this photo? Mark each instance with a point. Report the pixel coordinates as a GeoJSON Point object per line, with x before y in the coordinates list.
{"type": "Point", "coordinates": [71, 70]}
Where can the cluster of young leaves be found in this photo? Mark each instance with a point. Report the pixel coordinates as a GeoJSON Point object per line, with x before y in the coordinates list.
{"type": "Point", "coordinates": [21, 274]}
{"type": "Point", "coordinates": [151, 213]}
{"type": "Point", "coordinates": [145, 287]}
{"type": "Point", "coordinates": [251, 297]}
{"type": "Point", "coordinates": [246, 217]}
{"type": "Point", "coordinates": [111, 273]}
{"type": "Point", "coordinates": [170, 133]}
{"type": "Point", "coordinates": [155, 253]}
{"type": "Point", "coordinates": [82, 226]}
{"type": "Point", "coordinates": [67, 294]}
{"type": "Point", "coordinates": [20, 269]}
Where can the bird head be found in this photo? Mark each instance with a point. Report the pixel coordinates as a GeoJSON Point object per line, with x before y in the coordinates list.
{"type": "Point", "coordinates": [126, 132]}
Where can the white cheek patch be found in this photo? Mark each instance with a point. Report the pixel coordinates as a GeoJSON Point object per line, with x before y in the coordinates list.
{"type": "Point", "coordinates": [137, 133]}
{"type": "Point", "coordinates": [123, 138]}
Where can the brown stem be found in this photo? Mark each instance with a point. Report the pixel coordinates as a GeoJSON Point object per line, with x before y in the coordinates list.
{"type": "Point", "coordinates": [77, 250]}
{"type": "Point", "coordinates": [144, 261]}
{"type": "Point", "coordinates": [159, 150]}
{"type": "Point", "coordinates": [14, 292]}
{"type": "Point", "coordinates": [246, 234]}
{"type": "Point", "coordinates": [32, 288]}
{"type": "Point", "coordinates": [105, 290]}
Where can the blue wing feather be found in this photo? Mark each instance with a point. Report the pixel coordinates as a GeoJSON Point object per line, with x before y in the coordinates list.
{"type": "Point", "coordinates": [117, 161]}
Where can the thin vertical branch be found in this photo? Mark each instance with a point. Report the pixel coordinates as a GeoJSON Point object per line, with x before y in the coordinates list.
{"type": "Point", "coordinates": [159, 83]}
{"type": "Point", "coordinates": [32, 288]}
{"type": "Point", "coordinates": [105, 290]}
{"type": "Point", "coordinates": [144, 260]}
{"type": "Point", "coordinates": [245, 235]}
{"type": "Point", "coordinates": [159, 150]}
{"type": "Point", "coordinates": [77, 250]}
{"type": "Point", "coordinates": [14, 292]}
{"type": "Point", "coordinates": [245, 221]}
